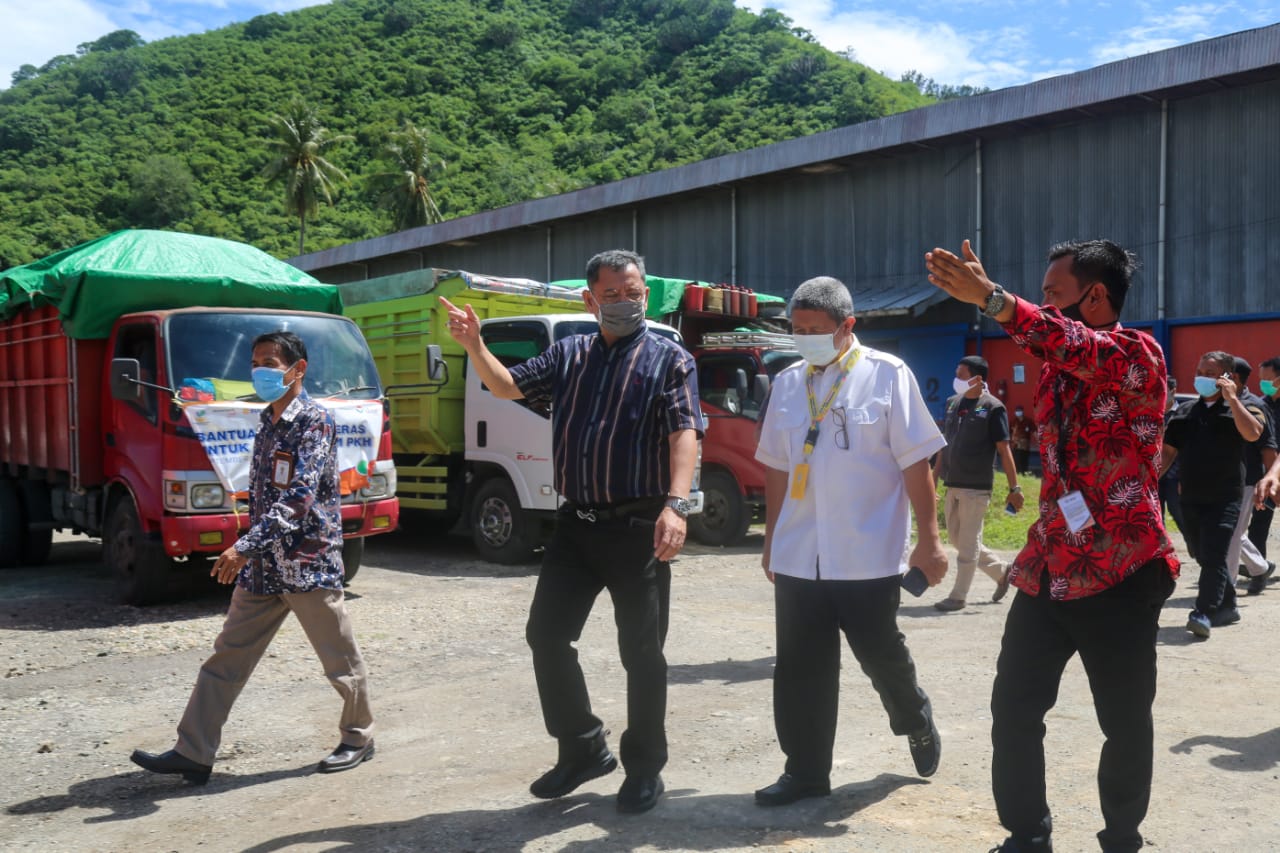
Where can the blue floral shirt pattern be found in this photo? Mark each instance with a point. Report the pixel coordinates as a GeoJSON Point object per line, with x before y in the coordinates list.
{"type": "Point", "coordinates": [294, 541]}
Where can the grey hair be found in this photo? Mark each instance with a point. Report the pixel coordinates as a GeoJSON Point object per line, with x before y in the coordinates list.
{"type": "Point", "coordinates": [825, 294]}
{"type": "Point", "coordinates": [616, 260]}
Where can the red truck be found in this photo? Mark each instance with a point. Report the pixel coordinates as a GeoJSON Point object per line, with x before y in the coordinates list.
{"type": "Point", "coordinates": [737, 361]}
{"type": "Point", "coordinates": [98, 345]}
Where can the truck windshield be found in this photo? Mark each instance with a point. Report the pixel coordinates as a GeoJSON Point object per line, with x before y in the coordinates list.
{"type": "Point", "coordinates": [213, 352]}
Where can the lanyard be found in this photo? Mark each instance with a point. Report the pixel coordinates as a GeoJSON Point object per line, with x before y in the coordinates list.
{"type": "Point", "coordinates": [816, 412]}
{"type": "Point", "coordinates": [800, 477]}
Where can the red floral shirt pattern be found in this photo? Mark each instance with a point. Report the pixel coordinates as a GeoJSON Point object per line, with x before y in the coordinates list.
{"type": "Point", "coordinates": [1099, 410]}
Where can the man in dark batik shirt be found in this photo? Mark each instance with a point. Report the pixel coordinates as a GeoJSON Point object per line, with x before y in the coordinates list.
{"type": "Point", "coordinates": [290, 559]}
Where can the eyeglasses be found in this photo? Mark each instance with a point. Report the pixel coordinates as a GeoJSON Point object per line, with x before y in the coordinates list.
{"type": "Point", "coordinates": [841, 438]}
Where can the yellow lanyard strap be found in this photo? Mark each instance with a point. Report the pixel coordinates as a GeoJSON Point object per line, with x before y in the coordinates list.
{"type": "Point", "coordinates": [816, 412]}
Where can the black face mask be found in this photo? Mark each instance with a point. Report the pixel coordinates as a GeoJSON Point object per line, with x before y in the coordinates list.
{"type": "Point", "coordinates": [1073, 312]}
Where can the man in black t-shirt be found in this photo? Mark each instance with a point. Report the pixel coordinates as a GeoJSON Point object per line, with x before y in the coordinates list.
{"type": "Point", "coordinates": [1208, 437]}
{"type": "Point", "coordinates": [976, 429]}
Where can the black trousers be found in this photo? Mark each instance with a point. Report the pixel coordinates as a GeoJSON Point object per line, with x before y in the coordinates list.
{"type": "Point", "coordinates": [1172, 501]}
{"type": "Point", "coordinates": [809, 618]}
{"type": "Point", "coordinates": [1260, 528]}
{"type": "Point", "coordinates": [1209, 531]}
{"type": "Point", "coordinates": [581, 559]}
{"type": "Point", "coordinates": [1115, 634]}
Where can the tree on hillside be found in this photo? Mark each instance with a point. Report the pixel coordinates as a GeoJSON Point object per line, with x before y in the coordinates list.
{"type": "Point", "coordinates": [298, 148]}
{"type": "Point", "coordinates": [406, 189]}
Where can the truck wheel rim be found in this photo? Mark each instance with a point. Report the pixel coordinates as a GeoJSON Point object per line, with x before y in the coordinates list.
{"type": "Point", "coordinates": [495, 522]}
{"type": "Point", "coordinates": [715, 509]}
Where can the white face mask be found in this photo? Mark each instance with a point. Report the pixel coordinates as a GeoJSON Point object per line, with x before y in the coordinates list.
{"type": "Point", "coordinates": [961, 385]}
{"type": "Point", "coordinates": [818, 350]}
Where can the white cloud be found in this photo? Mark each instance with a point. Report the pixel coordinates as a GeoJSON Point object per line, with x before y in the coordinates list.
{"type": "Point", "coordinates": [29, 37]}
{"type": "Point", "coordinates": [1159, 30]}
{"type": "Point", "coordinates": [896, 43]}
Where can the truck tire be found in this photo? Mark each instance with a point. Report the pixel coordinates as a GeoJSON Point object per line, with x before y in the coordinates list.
{"type": "Point", "coordinates": [501, 530]}
{"type": "Point", "coordinates": [12, 526]}
{"type": "Point", "coordinates": [142, 570]}
{"type": "Point", "coordinates": [36, 542]}
{"type": "Point", "coordinates": [352, 555]}
{"type": "Point", "coordinates": [725, 516]}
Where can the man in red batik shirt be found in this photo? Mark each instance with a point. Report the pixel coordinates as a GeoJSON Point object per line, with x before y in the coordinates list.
{"type": "Point", "coordinates": [1098, 565]}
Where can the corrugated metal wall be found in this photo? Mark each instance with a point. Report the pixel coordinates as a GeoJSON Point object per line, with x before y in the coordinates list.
{"type": "Point", "coordinates": [1082, 181]}
{"type": "Point", "coordinates": [1224, 203]}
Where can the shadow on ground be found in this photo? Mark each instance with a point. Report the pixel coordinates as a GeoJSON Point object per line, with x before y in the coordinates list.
{"type": "Point", "coordinates": [684, 820]}
{"type": "Point", "coordinates": [138, 794]}
{"type": "Point", "coordinates": [1253, 753]}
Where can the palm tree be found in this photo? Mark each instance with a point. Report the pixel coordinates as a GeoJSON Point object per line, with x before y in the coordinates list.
{"type": "Point", "coordinates": [299, 143]}
{"type": "Point", "coordinates": [406, 190]}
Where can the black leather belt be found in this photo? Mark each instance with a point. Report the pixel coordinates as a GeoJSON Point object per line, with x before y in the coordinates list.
{"type": "Point", "coordinates": [612, 512]}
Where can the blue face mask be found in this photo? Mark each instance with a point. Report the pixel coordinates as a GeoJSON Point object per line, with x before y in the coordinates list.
{"type": "Point", "coordinates": [1206, 386]}
{"type": "Point", "coordinates": [269, 384]}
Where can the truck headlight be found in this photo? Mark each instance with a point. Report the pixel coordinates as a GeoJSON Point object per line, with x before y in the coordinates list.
{"type": "Point", "coordinates": [377, 488]}
{"type": "Point", "coordinates": [207, 496]}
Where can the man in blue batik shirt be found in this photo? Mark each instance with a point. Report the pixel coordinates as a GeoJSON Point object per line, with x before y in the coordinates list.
{"type": "Point", "coordinates": [290, 559]}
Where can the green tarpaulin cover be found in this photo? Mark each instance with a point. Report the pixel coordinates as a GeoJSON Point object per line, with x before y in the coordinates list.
{"type": "Point", "coordinates": [665, 294]}
{"type": "Point", "coordinates": [94, 283]}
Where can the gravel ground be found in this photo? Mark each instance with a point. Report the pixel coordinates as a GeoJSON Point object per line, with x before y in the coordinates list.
{"type": "Point", "coordinates": [460, 735]}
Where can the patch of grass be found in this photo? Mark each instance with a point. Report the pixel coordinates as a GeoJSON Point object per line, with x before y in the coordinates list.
{"type": "Point", "coordinates": [1001, 531]}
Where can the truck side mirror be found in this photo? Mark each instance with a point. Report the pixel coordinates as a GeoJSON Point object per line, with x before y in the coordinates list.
{"type": "Point", "coordinates": [740, 383]}
{"type": "Point", "coordinates": [760, 390]}
{"type": "Point", "coordinates": [437, 370]}
{"type": "Point", "coordinates": [124, 379]}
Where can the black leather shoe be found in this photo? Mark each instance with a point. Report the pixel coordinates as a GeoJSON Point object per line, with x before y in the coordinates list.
{"type": "Point", "coordinates": [639, 793]}
{"type": "Point", "coordinates": [345, 757]}
{"type": "Point", "coordinates": [172, 762]}
{"type": "Point", "coordinates": [580, 761]}
{"type": "Point", "coordinates": [1039, 844]}
{"type": "Point", "coordinates": [788, 789]}
{"type": "Point", "coordinates": [926, 748]}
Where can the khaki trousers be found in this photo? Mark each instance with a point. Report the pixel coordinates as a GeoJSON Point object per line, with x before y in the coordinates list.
{"type": "Point", "coordinates": [964, 513]}
{"type": "Point", "coordinates": [252, 622]}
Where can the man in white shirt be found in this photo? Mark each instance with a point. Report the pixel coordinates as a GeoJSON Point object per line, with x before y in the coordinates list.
{"type": "Point", "coordinates": [846, 444]}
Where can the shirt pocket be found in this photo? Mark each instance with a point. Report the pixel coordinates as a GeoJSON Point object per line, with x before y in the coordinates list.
{"type": "Point", "coordinates": [864, 427]}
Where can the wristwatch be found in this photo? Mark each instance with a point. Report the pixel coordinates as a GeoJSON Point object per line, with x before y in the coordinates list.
{"type": "Point", "coordinates": [680, 505]}
{"type": "Point", "coordinates": [995, 302]}
{"type": "Point", "coordinates": [1017, 489]}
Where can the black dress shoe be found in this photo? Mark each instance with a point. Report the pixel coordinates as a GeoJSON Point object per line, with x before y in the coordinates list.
{"type": "Point", "coordinates": [639, 793]}
{"type": "Point", "coordinates": [788, 789]}
{"type": "Point", "coordinates": [581, 760]}
{"type": "Point", "coordinates": [345, 757]}
{"type": "Point", "coordinates": [172, 762]}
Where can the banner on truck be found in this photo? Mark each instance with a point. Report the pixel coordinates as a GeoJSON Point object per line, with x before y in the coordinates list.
{"type": "Point", "coordinates": [226, 431]}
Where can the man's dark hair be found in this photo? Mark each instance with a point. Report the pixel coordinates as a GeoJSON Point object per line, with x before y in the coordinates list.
{"type": "Point", "coordinates": [1226, 361]}
{"type": "Point", "coordinates": [291, 346]}
{"type": "Point", "coordinates": [1272, 364]}
{"type": "Point", "coordinates": [616, 260]}
{"type": "Point", "coordinates": [1171, 383]}
{"type": "Point", "coordinates": [1099, 260]}
{"type": "Point", "coordinates": [1242, 370]}
{"type": "Point", "coordinates": [977, 365]}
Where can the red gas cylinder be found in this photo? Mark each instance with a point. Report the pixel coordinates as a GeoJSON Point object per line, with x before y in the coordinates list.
{"type": "Point", "coordinates": [752, 307]}
{"type": "Point", "coordinates": [693, 297]}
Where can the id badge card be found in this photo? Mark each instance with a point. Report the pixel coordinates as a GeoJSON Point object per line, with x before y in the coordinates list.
{"type": "Point", "coordinates": [281, 469]}
{"type": "Point", "coordinates": [799, 481]}
{"type": "Point", "coordinates": [1075, 511]}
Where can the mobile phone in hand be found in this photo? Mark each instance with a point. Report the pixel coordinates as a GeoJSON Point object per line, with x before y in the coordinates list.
{"type": "Point", "coordinates": [1009, 508]}
{"type": "Point", "coordinates": [915, 582]}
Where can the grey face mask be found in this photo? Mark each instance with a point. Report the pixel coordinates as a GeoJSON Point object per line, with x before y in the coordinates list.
{"type": "Point", "coordinates": [621, 318]}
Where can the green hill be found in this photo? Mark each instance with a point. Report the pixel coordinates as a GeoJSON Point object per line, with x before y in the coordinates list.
{"type": "Point", "coordinates": [523, 99]}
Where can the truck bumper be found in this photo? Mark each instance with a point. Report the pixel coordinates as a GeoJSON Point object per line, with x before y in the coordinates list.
{"type": "Point", "coordinates": [210, 534]}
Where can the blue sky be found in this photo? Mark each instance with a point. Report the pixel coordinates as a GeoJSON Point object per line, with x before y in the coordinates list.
{"type": "Point", "coordinates": [993, 43]}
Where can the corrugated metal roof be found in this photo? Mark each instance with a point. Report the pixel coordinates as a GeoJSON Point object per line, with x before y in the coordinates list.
{"type": "Point", "coordinates": [908, 301]}
{"type": "Point", "coordinates": [1233, 59]}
